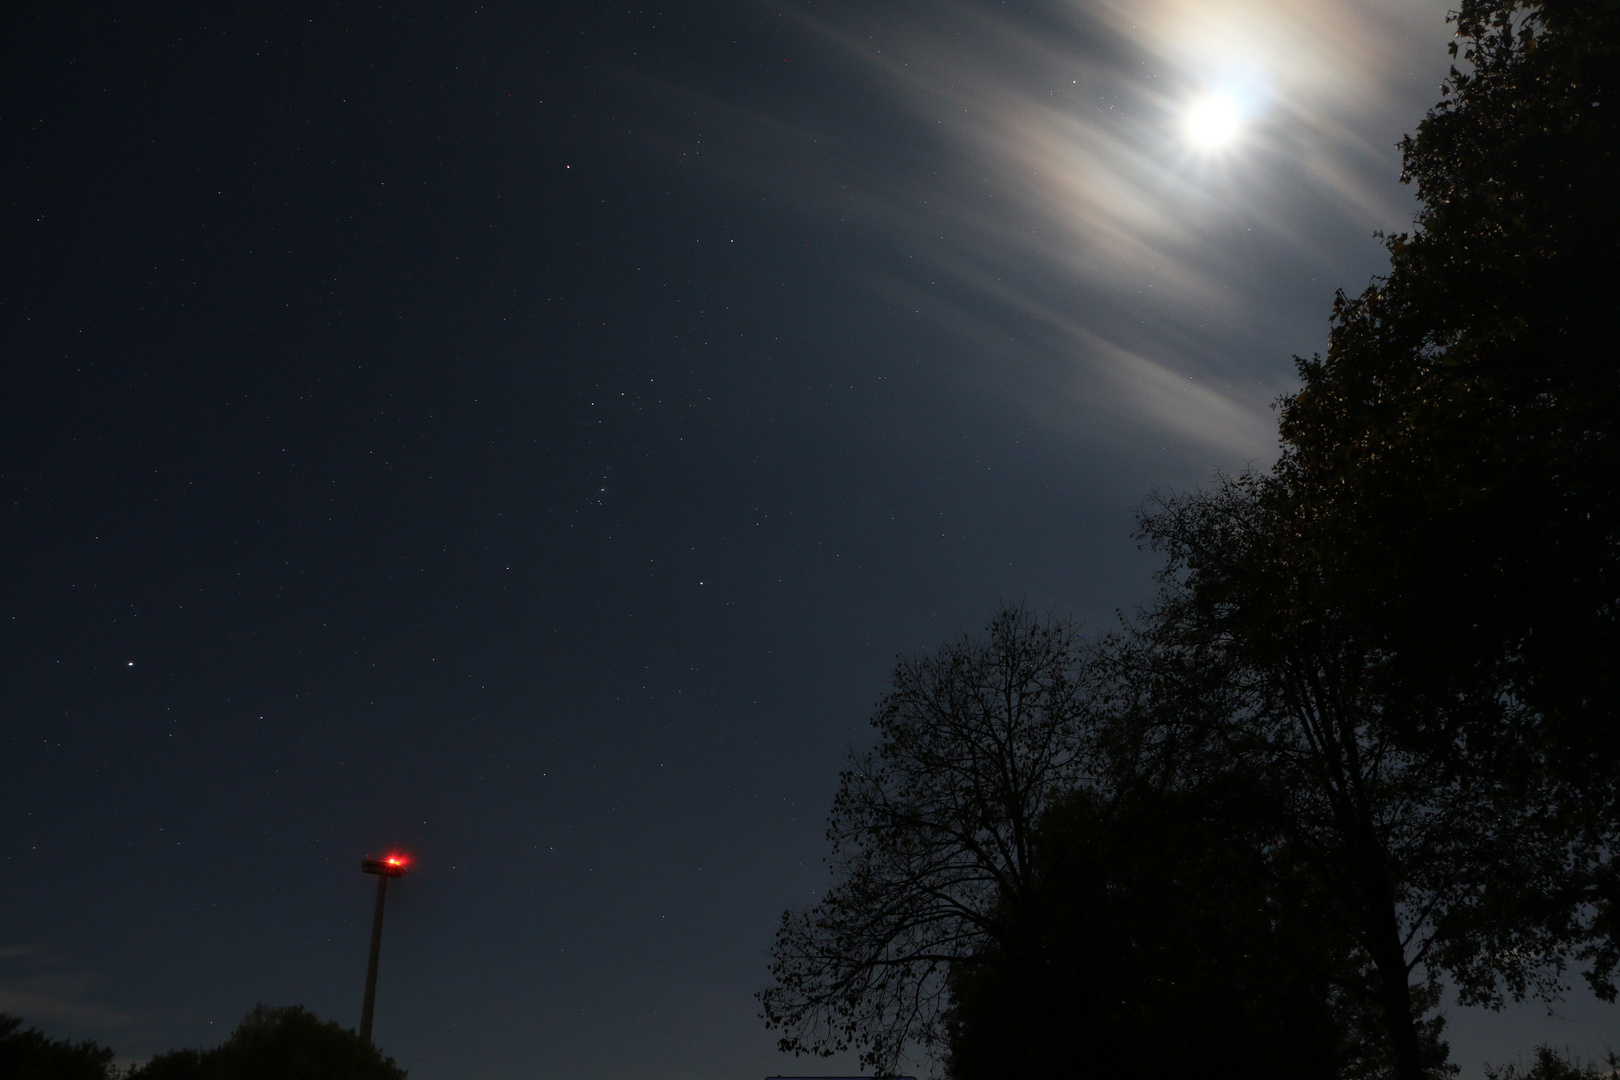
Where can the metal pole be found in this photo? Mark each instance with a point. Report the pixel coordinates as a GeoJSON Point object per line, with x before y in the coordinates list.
{"type": "Point", "coordinates": [371, 966]}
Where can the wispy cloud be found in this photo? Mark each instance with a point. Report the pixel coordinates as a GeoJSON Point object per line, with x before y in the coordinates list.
{"type": "Point", "coordinates": [42, 988]}
{"type": "Point", "coordinates": [1039, 179]}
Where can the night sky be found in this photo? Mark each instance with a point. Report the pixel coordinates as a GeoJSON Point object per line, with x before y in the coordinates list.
{"type": "Point", "coordinates": [524, 435]}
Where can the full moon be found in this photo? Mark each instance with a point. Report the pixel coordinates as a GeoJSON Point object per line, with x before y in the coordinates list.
{"type": "Point", "coordinates": [1213, 121]}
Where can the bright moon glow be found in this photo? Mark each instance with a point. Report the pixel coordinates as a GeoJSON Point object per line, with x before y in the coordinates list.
{"type": "Point", "coordinates": [1214, 121]}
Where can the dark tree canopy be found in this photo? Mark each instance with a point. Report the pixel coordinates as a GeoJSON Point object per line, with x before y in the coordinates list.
{"type": "Point", "coordinates": [29, 1054]}
{"type": "Point", "coordinates": [1031, 874]}
{"type": "Point", "coordinates": [288, 1043]}
{"type": "Point", "coordinates": [1416, 832]}
{"type": "Point", "coordinates": [1454, 459]}
{"type": "Point", "coordinates": [1159, 945]}
{"type": "Point", "coordinates": [1451, 465]}
{"type": "Point", "coordinates": [1549, 1064]}
{"type": "Point", "coordinates": [932, 834]}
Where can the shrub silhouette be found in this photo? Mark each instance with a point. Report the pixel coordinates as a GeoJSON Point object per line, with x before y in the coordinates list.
{"type": "Point", "coordinates": [29, 1054]}
{"type": "Point", "coordinates": [287, 1043]}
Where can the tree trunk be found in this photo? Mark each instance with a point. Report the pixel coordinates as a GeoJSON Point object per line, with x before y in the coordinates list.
{"type": "Point", "coordinates": [1395, 991]}
{"type": "Point", "coordinates": [1382, 928]}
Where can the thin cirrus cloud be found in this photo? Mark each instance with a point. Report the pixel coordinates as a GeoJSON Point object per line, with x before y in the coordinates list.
{"type": "Point", "coordinates": [1157, 197]}
{"type": "Point", "coordinates": [34, 983]}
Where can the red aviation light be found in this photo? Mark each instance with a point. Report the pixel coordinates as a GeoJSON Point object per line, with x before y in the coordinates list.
{"type": "Point", "coordinates": [387, 866]}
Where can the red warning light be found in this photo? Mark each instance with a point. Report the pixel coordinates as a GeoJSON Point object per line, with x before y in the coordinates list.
{"type": "Point", "coordinates": [387, 866]}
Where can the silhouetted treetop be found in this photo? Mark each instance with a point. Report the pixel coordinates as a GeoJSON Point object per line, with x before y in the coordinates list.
{"type": "Point", "coordinates": [932, 833]}
{"type": "Point", "coordinates": [1454, 457]}
{"type": "Point", "coordinates": [287, 1043]}
{"type": "Point", "coordinates": [29, 1054]}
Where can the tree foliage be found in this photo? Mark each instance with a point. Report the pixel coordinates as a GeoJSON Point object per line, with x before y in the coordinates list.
{"type": "Point", "coordinates": [1451, 464]}
{"type": "Point", "coordinates": [1552, 1065]}
{"type": "Point", "coordinates": [1453, 458]}
{"type": "Point", "coordinates": [287, 1043]}
{"type": "Point", "coordinates": [29, 1054]}
{"type": "Point", "coordinates": [932, 833]}
{"type": "Point", "coordinates": [1417, 831]}
{"type": "Point", "coordinates": [1160, 944]}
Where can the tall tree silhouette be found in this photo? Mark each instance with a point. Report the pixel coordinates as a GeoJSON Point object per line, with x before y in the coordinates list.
{"type": "Point", "coordinates": [932, 833]}
{"type": "Point", "coordinates": [1451, 465]}
{"type": "Point", "coordinates": [1454, 457]}
{"type": "Point", "coordinates": [1401, 820]}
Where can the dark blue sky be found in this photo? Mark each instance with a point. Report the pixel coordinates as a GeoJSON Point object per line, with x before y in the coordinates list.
{"type": "Point", "coordinates": [526, 434]}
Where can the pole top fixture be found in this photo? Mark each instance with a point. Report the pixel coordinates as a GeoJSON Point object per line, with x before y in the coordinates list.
{"type": "Point", "coordinates": [387, 866]}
